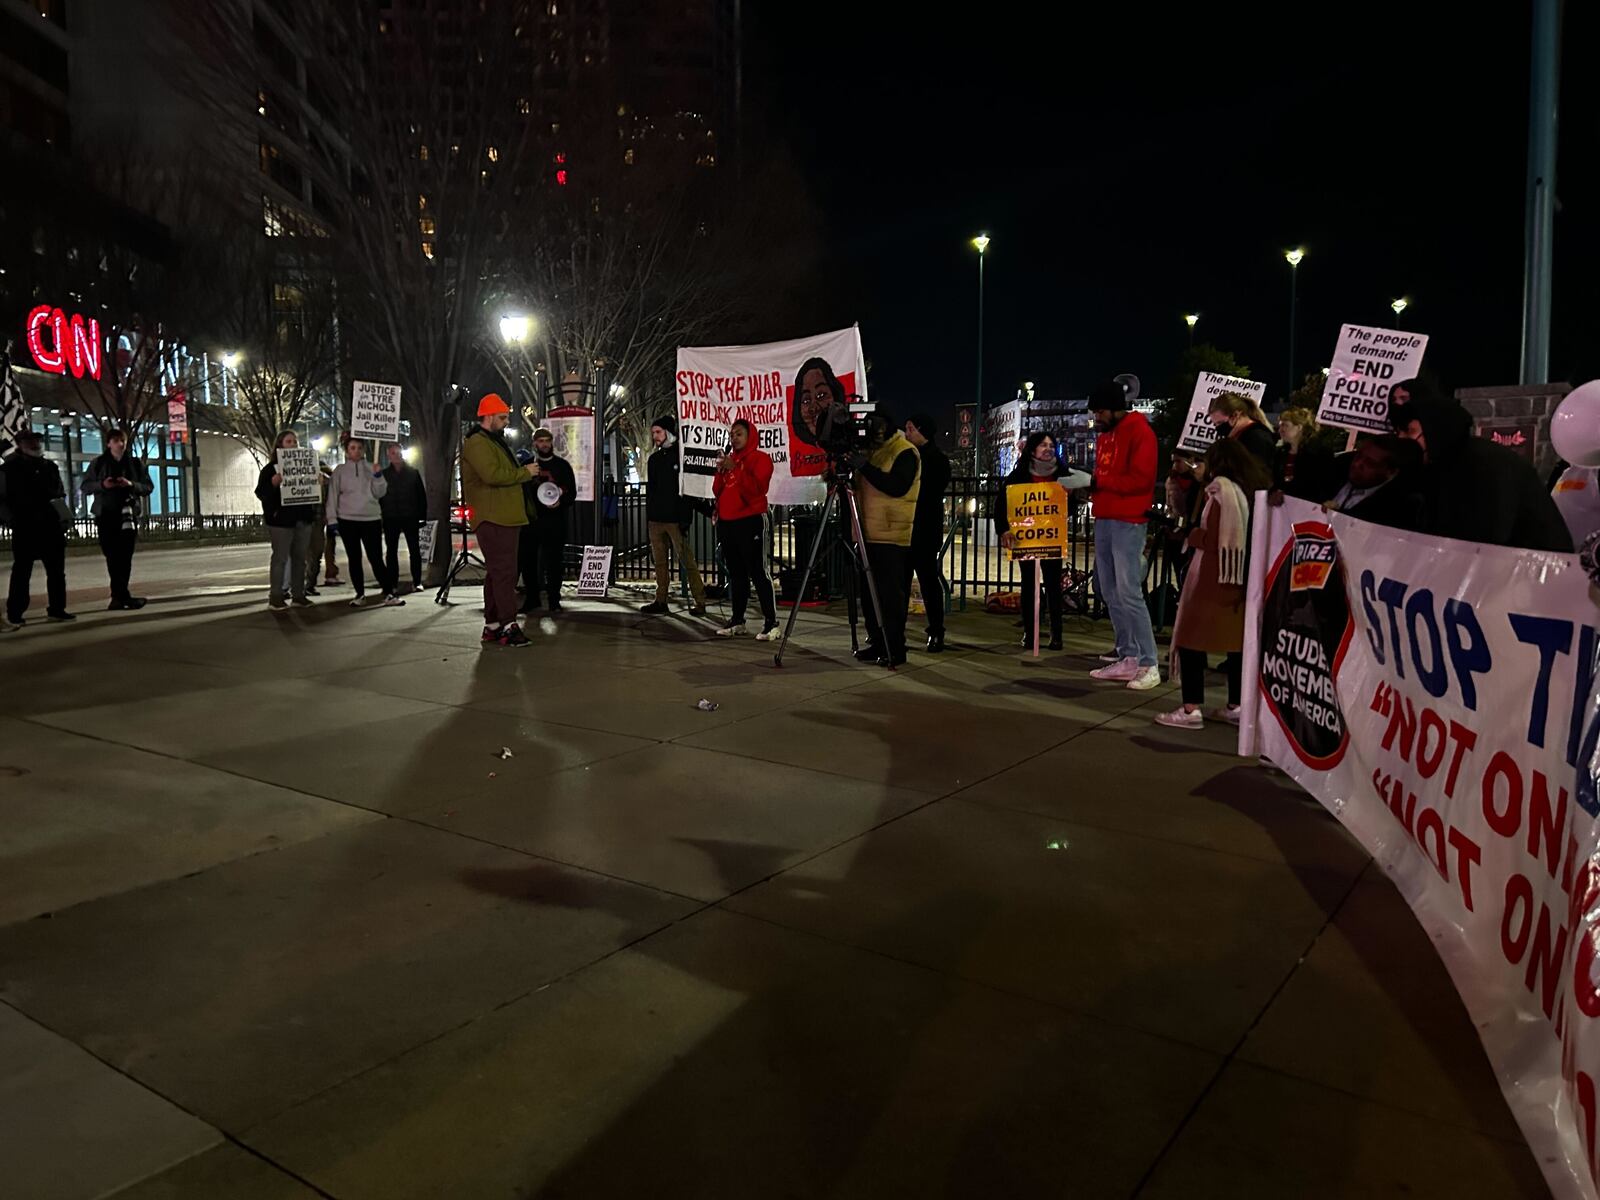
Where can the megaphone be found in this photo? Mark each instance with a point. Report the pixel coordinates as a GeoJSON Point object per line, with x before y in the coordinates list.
{"type": "Point", "coordinates": [1575, 428]}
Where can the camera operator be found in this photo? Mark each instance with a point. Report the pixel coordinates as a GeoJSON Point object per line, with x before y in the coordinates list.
{"type": "Point", "coordinates": [887, 484]}
{"type": "Point", "coordinates": [744, 473]}
{"type": "Point", "coordinates": [927, 534]}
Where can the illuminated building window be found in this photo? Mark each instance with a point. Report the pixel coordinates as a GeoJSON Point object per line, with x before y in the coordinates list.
{"type": "Point", "coordinates": [627, 156]}
{"type": "Point", "coordinates": [427, 250]}
{"type": "Point", "coordinates": [494, 154]}
{"type": "Point", "coordinates": [426, 226]}
{"type": "Point", "coordinates": [561, 177]}
{"type": "Point", "coordinates": [422, 153]}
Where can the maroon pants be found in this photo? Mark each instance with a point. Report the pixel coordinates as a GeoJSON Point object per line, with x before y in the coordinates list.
{"type": "Point", "coordinates": [499, 546]}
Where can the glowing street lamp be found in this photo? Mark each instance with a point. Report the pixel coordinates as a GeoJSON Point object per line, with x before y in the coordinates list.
{"type": "Point", "coordinates": [231, 359]}
{"type": "Point", "coordinates": [515, 328]}
{"type": "Point", "coordinates": [981, 242]}
{"type": "Point", "coordinates": [1399, 305]}
{"type": "Point", "coordinates": [1191, 320]}
{"type": "Point", "coordinates": [1294, 258]}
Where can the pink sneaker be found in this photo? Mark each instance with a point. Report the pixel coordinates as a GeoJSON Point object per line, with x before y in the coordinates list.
{"type": "Point", "coordinates": [1118, 672]}
{"type": "Point", "coordinates": [1181, 718]}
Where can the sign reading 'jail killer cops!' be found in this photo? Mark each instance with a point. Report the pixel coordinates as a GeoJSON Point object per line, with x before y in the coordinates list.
{"type": "Point", "coordinates": [1037, 513]}
{"type": "Point", "coordinates": [375, 411]}
{"type": "Point", "coordinates": [1366, 364]}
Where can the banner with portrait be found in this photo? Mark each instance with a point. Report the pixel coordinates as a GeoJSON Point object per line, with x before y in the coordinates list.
{"type": "Point", "coordinates": [780, 388]}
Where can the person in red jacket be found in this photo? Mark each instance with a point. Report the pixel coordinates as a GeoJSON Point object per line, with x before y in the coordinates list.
{"type": "Point", "coordinates": [743, 476]}
{"type": "Point", "coordinates": [1124, 487]}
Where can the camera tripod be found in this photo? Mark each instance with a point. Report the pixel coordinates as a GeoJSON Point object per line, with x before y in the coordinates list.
{"type": "Point", "coordinates": [840, 494]}
{"type": "Point", "coordinates": [463, 558]}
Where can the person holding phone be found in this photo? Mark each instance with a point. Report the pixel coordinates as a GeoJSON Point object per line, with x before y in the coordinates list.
{"type": "Point", "coordinates": [744, 473]}
{"type": "Point", "coordinates": [119, 482]}
{"type": "Point", "coordinates": [353, 505]}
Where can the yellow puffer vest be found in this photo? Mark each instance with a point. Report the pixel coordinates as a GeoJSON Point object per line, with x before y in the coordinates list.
{"type": "Point", "coordinates": [888, 518]}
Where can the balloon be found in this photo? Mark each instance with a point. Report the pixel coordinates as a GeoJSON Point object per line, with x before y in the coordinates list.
{"type": "Point", "coordinates": [1575, 428]}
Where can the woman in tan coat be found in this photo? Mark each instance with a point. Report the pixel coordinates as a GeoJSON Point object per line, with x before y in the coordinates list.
{"type": "Point", "coordinates": [1211, 609]}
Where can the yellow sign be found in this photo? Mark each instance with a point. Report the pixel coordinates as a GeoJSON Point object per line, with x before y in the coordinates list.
{"type": "Point", "coordinates": [1038, 516]}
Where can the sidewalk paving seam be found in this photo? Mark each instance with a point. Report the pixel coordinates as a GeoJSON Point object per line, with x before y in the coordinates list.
{"type": "Point", "coordinates": [1231, 1056]}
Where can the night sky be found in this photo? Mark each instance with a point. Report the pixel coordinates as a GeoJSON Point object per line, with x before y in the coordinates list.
{"type": "Point", "coordinates": [1133, 167]}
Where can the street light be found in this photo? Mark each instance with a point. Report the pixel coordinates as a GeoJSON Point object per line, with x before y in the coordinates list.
{"type": "Point", "coordinates": [515, 328]}
{"type": "Point", "coordinates": [1191, 320]}
{"type": "Point", "coordinates": [1399, 305]}
{"type": "Point", "coordinates": [230, 359]}
{"type": "Point", "coordinates": [982, 244]}
{"type": "Point", "coordinates": [1293, 258]}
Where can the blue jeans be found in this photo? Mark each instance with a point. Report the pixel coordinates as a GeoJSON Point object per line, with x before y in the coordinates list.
{"type": "Point", "coordinates": [1119, 572]}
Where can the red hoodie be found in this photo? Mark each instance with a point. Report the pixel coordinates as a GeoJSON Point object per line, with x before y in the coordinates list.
{"type": "Point", "coordinates": [1125, 470]}
{"type": "Point", "coordinates": [741, 490]}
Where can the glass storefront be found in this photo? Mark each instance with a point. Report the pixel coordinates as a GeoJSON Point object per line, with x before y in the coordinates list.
{"type": "Point", "coordinates": [74, 447]}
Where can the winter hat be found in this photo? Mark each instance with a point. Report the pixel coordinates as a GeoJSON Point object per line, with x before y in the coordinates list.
{"type": "Point", "coordinates": [491, 404]}
{"type": "Point", "coordinates": [542, 432]}
{"type": "Point", "coordinates": [1109, 395]}
{"type": "Point", "coordinates": [668, 423]}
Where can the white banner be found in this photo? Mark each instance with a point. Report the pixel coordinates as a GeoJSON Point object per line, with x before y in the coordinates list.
{"type": "Point", "coordinates": [426, 533]}
{"type": "Point", "coordinates": [302, 480]}
{"type": "Point", "coordinates": [718, 385]}
{"type": "Point", "coordinates": [594, 576]}
{"type": "Point", "coordinates": [1198, 431]}
{"type": "Point", "coordinates": [572, 429]}
{"type": "Point", "coordinates": [1432, 695]}
{"type": "Point", "coordinates": [375, 411]}
{"type": "Point", "coordinates": [1366, 364]}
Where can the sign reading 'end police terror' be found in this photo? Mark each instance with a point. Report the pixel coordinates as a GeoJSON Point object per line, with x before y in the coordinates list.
{"type": "Point", "coordinates": [1038, 516]}
{"type": "Point", "coordinates": [1366, 364]}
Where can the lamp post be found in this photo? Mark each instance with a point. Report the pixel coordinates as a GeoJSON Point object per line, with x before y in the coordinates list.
{"type": "Point", "coordinates": [1191, 320]}
{"type": "Point", "coordinates": [515, 329]}
{"type": "Point", "coordinates": [1399, 306]}
{"type": "Point", "coordinates": [1293, 258]}
{"type": "Point", "coordinates": [982, 244]}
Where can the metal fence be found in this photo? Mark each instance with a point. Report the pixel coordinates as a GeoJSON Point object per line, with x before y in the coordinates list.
{"type": "Point", "coordinates": [175, 527]}
{"type": "Point", "coordinates": [975, 565]}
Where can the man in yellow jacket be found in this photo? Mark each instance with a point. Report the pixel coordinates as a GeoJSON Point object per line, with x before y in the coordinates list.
{"type": "Point", "coordinates": [887, 485]}
{"type": "Point", "coordinates": [491, 488]}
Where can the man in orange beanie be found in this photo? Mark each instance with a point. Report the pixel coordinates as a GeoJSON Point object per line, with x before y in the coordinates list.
{"type": "Point", "coordinates": [491, 488]}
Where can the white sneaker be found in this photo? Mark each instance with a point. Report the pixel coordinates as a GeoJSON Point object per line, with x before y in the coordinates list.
{"type": "Point", "coordinates": [769, 634]}
{"type": "Point", "coordinates": [358, 602]}
{"type": "Point", "coordinates": [1118, 672]}
{"type": "Point", "coordinates": [732, 631]}
{"type": "Point", "coordinates": [1230, 714]}
{"type": "Point", "coordinates": [1181, 718]}
{"type": "Point", "coordinates": [393, 601]}
{"type": "Point", "coordinates": [1147, 678]}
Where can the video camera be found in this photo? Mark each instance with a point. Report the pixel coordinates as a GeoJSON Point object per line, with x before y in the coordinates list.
{"type": "Point", "coordinates": [843, 433]}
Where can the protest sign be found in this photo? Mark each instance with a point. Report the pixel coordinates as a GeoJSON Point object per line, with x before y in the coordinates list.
{"type": "Point", "coordinates": [426, 533]}
{"type": "Point", "coordinates": [302, 479]}
{"type": "Point", "coordinates": [375, 411]}
{"type": "Point", "coordinates": [1366, 364]}
{"type": "Point", "coordinates": [718, 385]}
{"type": "Point", "coordinates": [178, 418]}
{"type": "Point", "coordinates": [1198, 431]}
{"type": "Point", "coordinates": [1037, 513]}
{"type": "Point", "coordinates": [1002, 431]}
{"type": "Point", "coordinates": [1433, 695]}
{"type": "Point", "coordinates": [572, 429]}
{"type": "Point", "coordinates": [594, 576]}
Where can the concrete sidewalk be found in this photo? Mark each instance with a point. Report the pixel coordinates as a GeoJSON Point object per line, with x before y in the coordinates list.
{"type": "Point", "coordinates": [280, 922]}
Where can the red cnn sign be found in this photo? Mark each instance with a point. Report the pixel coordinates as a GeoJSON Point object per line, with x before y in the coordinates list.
{"type": "Point", "coordinates": [60, 343]}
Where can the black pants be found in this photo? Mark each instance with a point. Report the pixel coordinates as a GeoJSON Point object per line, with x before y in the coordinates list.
{"type": "Point", "coordinates": [890, 566]}
{"type": "Point", "coordinates": [1192, 666]}
{"type": "Point", "coordinates": [744, 551]}
{"type": "Point", "coordinates": [1052, 594]}
{"type": "Point", "coordinates": [117, 543]}
{"type": "Point", "coordinates": [366, 535]}
{"type": "Point", "coordinates": [542, 550]}
{"type": "Point", "coordinates": [392, 532]}
{"type": "Point", "coordinates": [45, 545]}
{"type": "Point", "coordinates": [923, 561]}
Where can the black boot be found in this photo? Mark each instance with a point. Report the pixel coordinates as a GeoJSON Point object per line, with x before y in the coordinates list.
{"type": "Point", "coordinates": [936, 641]}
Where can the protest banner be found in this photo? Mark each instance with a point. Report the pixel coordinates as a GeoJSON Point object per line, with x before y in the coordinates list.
{"type": "Point", "coordinates": [1198, 431]}
{"type": "Point", "coordinates": [594, 576]}
{"type": "Point", "coordinates": [426, 533]}
{"type": "Point", "coordinates": [1037, 513]}
{"type": "Point", "coordinates": [1433, 695]}
{"type": "Point", "coordinates": [375, 411]}
{"type": "Point", "coordinates": [572, 430]}
{"type": "Point", "coordinates": [718, 385]}
{"type": "Point", "coordinates": [302, 479]}
{"type": "Point", "coordinates": [1366, 364]}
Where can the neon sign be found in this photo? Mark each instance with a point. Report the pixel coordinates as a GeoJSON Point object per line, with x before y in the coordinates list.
{"type": "Point", "coordinates": [74, 344]}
